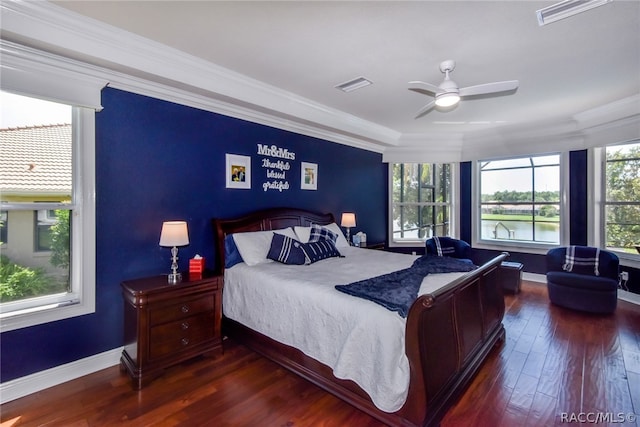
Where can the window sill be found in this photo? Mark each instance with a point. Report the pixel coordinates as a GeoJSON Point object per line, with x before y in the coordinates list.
{"type": "Point", "coordinates": [407, 244]}
{"type": "Point", "coordinates": [43, 314]}
{"type": "Point", "coordinates": [539, 249]}
{"type": "Point", "coordinates": [629, 260]}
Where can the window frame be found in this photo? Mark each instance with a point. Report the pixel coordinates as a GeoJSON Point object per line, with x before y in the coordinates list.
{"type": "Point", "coordinates": [81, 299]}
{"type": "Point", "coordinates": [453, 204]}
{"type": "Point", "coordinates": [529, 247]}
{"type": "Point", "coordinates": [4, 234]}
{"type": "Point", "coordinates": [38, 229]}
{"type": "Point", "coordinates": [597, 225]}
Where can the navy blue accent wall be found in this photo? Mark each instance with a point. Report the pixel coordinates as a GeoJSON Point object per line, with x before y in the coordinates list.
{"type": "Point", "coordinates": [158, 161]}
{"type": "Point", "coordinates": [466, 209]}
{"type": "Point", "coordinates": [578, 197]}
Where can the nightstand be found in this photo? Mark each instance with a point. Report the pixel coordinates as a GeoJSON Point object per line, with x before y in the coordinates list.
{"type": "Point", "coordinates": [511, 276]}
{"type": "Point", "coordinates": [379, 245]}
{"type": "Point", "coordinates": [166, 323]}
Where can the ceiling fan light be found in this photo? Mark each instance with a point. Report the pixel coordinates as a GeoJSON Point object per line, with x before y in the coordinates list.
{"type": "Point", "coordinates": [447, 99]}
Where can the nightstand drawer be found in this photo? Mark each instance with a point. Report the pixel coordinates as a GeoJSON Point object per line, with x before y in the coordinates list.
{"type": "Point", "coordinates": [169, 338]}
{"type": "Point", "coordinates": [182, 309]}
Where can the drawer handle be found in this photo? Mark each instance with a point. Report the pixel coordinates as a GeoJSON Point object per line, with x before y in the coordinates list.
{"type": "Point", "coordinates": [185, 341]}
{"type": "Point", "coordinates": [185, 326]}
{"type": "Point", "coordinates": [185, 308]}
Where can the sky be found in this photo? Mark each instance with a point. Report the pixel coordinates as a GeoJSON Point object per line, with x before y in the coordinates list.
{"type": "Point", "coordinates": [16, 110]}
{"type": "Point", "coordinates": [520, 180]}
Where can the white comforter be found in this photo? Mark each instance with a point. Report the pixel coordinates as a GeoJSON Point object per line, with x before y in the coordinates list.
{"type": "Point", "coordinates": [299, 306]}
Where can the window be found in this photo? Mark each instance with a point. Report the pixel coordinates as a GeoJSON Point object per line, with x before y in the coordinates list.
{"type": "Point", "coordinates": [421, 201]}
{"type": "Point", "coordinates": [45, 220]}
{"type": "Point", "coordinates": [519, 201]}
{"type": "Point", "coordinates": [44, 210]}
{"type": "Point", "coordinates": [38, 75]}
{"type": "Point", "coordinates": [4, 231]}
{"type": "Point", "coordinates": [622, 199]}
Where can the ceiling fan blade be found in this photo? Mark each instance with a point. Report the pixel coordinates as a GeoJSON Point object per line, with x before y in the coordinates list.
{"type": "Point", "coordinates": [424, 110]}
{"type": "Point", "coordinates": [489, 88]}
{"type": "Point", "coordinates": [418, 85]}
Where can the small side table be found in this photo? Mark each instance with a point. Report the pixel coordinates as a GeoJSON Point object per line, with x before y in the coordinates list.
{"type": "Point", "coordinates": [165, 324]}
{"type": "Point", "coordinates": [511, 276]}
{"type": "Point", "coordinates": [376, 245]}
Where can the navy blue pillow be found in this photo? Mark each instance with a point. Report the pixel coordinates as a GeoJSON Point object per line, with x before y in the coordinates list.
{"type": "Point", "coordinates": [231, 253]}
{"type": "Point", "coordinates": [286, 250]}
{"type": "Point", "coordinates": [320, 250]}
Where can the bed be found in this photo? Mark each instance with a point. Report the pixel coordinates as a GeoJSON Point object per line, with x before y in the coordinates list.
{"type": "Point", "coordinates": [448, 331]}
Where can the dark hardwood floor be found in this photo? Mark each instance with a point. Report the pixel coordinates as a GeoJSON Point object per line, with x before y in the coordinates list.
{"type": "Point", "coordinates": [554, 361]}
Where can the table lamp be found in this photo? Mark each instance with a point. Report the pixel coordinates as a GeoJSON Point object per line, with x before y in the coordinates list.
{"type": "Point", "coordinates": [348, 221]}
{"type": "Point", "coordinates": [174, 234]}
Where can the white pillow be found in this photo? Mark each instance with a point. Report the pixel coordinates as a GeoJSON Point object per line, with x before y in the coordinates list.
{"type": "Point", "coordinates": [254, 245]}
{"type": "Point", "coordinates": [342, 241]}
{"type": "Point", "coordinates": [304, 233]}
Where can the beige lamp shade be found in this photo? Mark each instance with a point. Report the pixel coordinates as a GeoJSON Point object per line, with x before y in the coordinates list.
{"type": "Point", "coordinates": [348, 219]}
{"type": "Point", "coordinates": [174, 233]}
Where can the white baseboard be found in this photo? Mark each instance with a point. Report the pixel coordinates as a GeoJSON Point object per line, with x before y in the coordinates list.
{"type": "Point", "coordinates": [629, 296]}
{"type": "Point", "coordinates": [33, 383]}
{"type": "Point", "coordinates": [534, 277]}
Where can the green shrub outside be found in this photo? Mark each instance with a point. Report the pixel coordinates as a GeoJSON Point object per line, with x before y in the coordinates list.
{"type": "Point", "coordinates": [18, 282]}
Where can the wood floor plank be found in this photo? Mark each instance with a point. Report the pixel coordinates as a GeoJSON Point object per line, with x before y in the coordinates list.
{"type": "Point", "coordinates": [543, 411]}
{"type": "Point", "coordinates": [521, 400]}
{"type": "Point", "coordinates": [633, 381]}
{"type": "Point", "coordinates": [553, 361]}
{"type": "Point", "coordinates": [553, 369]}
{"type": "Point", "coordinates": [534, 364]}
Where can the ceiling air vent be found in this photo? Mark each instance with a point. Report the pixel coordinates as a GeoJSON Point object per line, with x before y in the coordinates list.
{"type": "Point", "coordinates": [565, 9]}
{"type": "Point", "coordinates": [354, 84]}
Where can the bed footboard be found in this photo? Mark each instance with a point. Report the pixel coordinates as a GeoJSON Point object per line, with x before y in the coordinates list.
{"type": "Point", "coordinates": [449, 334]}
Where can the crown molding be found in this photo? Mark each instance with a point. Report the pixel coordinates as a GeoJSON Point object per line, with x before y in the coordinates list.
{"type": "Point", "coordinates": [28, 71]}
{"type": "Point", "coordinates": [48, 27]}
{"type": "Point", "coordinates": [623, 108]}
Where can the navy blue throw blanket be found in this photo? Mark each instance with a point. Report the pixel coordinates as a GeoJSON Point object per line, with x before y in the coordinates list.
{"type": "Point", "coordinates": [398, 290]}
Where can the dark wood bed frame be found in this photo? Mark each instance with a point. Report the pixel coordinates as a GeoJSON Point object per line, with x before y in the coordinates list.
{"type": "Point", "coordinates": [449, 333]}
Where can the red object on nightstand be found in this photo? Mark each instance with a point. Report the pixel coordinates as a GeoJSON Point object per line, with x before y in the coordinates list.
{"type": "Point", "coordinates": [196, 266]}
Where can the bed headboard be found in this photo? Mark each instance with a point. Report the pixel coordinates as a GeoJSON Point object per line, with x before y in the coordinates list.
{"type": "Point", "coordinates": [267, 219]}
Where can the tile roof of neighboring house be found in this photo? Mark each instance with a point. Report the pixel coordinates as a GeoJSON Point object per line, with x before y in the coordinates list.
{"type": "Point", "coordinates": [35, 160]}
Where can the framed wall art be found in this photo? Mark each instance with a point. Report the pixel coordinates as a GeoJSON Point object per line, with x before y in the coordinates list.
{"type": "Point", "coordinates": [238, 171]}
{"type": "Point", "coordinates": [309, 176]}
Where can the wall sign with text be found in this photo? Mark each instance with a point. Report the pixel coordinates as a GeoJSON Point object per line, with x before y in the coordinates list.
{"type": "Point", "coordinates": [276, 164]}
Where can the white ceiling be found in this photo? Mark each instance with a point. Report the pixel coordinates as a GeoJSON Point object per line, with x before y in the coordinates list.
{"type": "Point", "coordinates": [307, 47]}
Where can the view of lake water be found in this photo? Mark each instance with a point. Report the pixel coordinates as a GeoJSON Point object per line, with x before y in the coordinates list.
{"type": "Point", "coordinates": [506, 230]}
{"type": "Point", "coordinates": [520, 230]}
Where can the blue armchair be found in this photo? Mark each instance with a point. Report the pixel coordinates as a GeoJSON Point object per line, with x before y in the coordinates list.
{"type": "Point", "coordinates": [448, 246]}
{"type": "Point", "coordinates": [583, 278]}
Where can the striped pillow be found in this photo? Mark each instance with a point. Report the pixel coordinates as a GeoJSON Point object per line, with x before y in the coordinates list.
{"type": "Point", "coordinates": [286, 250]}
{"type": "Point", "coordinates": [317, 251]}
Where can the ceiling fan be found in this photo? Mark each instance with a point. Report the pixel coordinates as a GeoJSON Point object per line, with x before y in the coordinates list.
{"type": "Point", "coordinates": [448, 94]}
